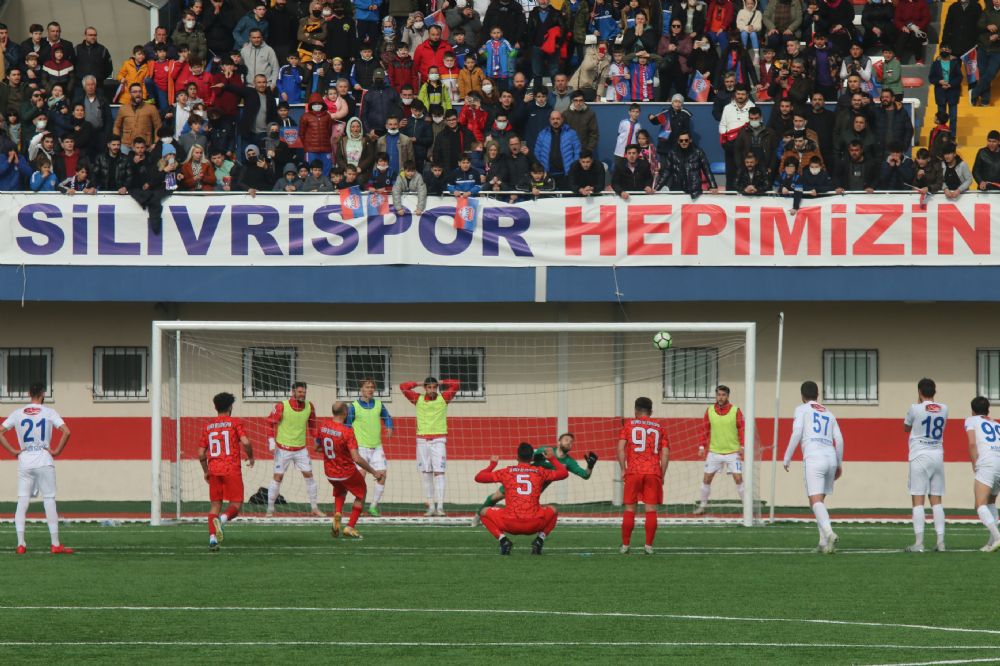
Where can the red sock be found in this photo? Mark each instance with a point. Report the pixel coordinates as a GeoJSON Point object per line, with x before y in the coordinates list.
{"type": "Point", "coordinates": [355, 514]}
{"type": "Point", "coordinates": [231, 512]}
{"type": "Point", "coordinates": [628, 524]}
{"type": "Point", "coordinates": [650, 527]}
{"type": "Point", "coordinates": [338, 503]}
{"type": "Point", "coordinates": [211, 523]}
{"type": "Point", "coordinates": [490, 523]}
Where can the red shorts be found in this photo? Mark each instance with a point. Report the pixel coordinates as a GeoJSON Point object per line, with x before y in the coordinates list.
{"type": "Point", "coordinates": [647, 488]}
{"type": "Point", "coordinates": [354, 484]}
{"type": "Point", "coordinates": [521, 524]}
{"type": "Point", "coordinates": [227, 488]}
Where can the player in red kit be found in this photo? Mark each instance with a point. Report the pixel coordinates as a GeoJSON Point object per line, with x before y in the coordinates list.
{"type": "Point", "coordinates": [340, 463]}
{"type": "Point", "coordinates": [643, 453]}
{"type": "Point", "coordinates": [220, 459]}
{"type": "Point", "coordinates": [523, 484]}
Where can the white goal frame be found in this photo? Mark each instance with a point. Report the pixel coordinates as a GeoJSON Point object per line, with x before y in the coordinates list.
{"type": "Point", "coordinates": [160, 328]}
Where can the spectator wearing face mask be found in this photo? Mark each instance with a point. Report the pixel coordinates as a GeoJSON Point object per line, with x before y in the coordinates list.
{"type": "Point", "coordinates": [946, 77]}
{"type": "Point", "coordinates": [379, 103]}
{"type": "Point", "coordinates": [315, 129]}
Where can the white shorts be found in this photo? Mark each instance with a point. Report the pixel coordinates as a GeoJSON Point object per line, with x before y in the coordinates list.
{"type": "Point", "coordinates": [284, 458]}
{"type": "Point", "coordinates": [988, 474]}
{"type": "Point", "coordinates": [374, 457]}
{"type": "Point", "coordinates": [716, 462]}
{"type": "Point", "coordinates": [927, 475]}
{"type": "Point", "coordinates": [44, 478]}
{"type": "Point", "coordinates": [820, 472]}
{"type": "Point", "coordinates": [431, 454]}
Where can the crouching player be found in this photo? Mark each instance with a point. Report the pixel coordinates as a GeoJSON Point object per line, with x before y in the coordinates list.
{"type": "Point", "coordinates": [984, 450]}
{"type": "Point", "coordinates": [523, 484]}
{"type": "Point", "coordinates": [560, 451]}
{"type": "Point", "coordinates": [220, 460]}
{"type": "Point", "coordinates": [341, 460]}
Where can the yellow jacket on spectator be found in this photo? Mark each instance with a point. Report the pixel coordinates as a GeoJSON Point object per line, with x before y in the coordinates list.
{"type": "Point", "coordinates": [132, 72]}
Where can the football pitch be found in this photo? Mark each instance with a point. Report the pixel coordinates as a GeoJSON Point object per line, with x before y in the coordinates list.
{"type": "Point", "coordinates": [424, 594]}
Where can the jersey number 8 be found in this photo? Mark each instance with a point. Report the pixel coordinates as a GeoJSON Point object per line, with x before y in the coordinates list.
{"type": "Point", "coordinates": [328, 449]}
{"type": "Point", "coordinates": [215, 446]}
{"type": "Point", "coordinates": [641, 435]}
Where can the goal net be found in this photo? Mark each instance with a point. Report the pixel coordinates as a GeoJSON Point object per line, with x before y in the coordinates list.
{"type": "Point", "coordinates": [517, 383]}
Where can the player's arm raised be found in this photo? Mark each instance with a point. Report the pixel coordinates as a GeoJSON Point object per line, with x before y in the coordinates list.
{"type": "Point", "coordinates": [450, 388]}
{"type": "Point", "coordinates": [3, 442]}
{"type": "Point", "coordinates": [559, 471]}
{"type": "Point", "coordinates": [408, 392]}
{"type": "Point", "coordinates": [63, 441]}
{"type": "Point", "coordinates": [360, 462]}
{"type": "Point", "coordinates": [487, 475]}
{"type": "Point", "coordinates": [973, 449]}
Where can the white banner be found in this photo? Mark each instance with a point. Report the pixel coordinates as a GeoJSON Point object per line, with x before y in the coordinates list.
{"type": "Point", "coordinates": [657, 230]}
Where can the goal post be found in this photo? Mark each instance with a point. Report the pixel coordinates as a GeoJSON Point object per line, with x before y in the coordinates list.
{"type": "Point", "coordinates": [519, 382]}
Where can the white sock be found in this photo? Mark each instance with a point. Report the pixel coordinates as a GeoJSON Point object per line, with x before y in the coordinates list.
{"type": "Point", "coordinates": [706, 490]}
{"type": "Point", "coordinates": [20, 516]}
{"type": "Point", "coordinates": [822, 517]}
{"type": "Point", "coordinates": [52, 518]}
{"type": "Point", "coordinates": [822, 534]}
{"type": "Point", "coordinates": [918, 523]}
{"type": "Point", "coordinates": [993, 512]}
{"type": "Point", "coordinates": [938, 511]}
{"type": "Point", "coordinates": [989, 522]}
{"type": "Point", "coordinates": [312, 491]}
{"type": "Point", "coordinates": [541, 535]}
{"type": "Point", "coordinates": [439, 491]}
{"type": "Point", "coordinates": [428, 479]}
{"type": "Point", "coordinates": [377, 497]}
{"type": "Point", "coordinates": [272, 494]}
{"type": "Point", "coordinates": [223, 519]}
{"type": "Point", "coordinates": [739, 490]}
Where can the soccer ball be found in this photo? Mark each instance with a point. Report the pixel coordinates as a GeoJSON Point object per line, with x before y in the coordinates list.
{"type": "Point", "coordinates": [662, 341]}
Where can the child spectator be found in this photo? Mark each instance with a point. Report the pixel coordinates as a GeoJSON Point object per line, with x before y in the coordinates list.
{"type": "Point", "coordinates": [449, 77]}
{"type": "Point", "coordinates": [605, 24]}
{"type": "Point", "coordinates": [290, 81]}
{"type": "Point", "coordinates": [927, 173]}
{"type": "Point", "coordinates": [788, 182]}
{"type": "Point", "coordinates": [619, 88]}
{"type": "Point", "coordinates": [433, 93]}
{"type": "Point", "coordinates": [470, 79]}
{"type": "Point", "coordinates": [134, 70]}
{"type": "Point", "coordinates": [816, 180]}
{"type": "Point", "coordinates": [43, 180]}
{"type": "Point", "coordinates": [289, 182]}
{"type": "Point", "coordinates": [163, 77]}
{"type": "Point", "coordinates": [537, 181]}
{"type": "Point", "coordinates": [409, 182]}
{"type": "Point", "coordinates": [381, 179]}
{"type": "Point", "coordinates": [317, 182]}
{"type": "Point", "coordinates": [628, 131]}
{"type": "Point", "coordinates": [465, 179]}
{"type": "Point", "coordinates": [641, 74]}
{"type": "Point", "coordinates": [401, 70]}
{"type": "Point", "coordinates": [435, 180]}
{"type": "Point", "coordinates": [498, 56]}
{"type": "Point", "coordinates": [364, 69]}
{"type": "Point", "coordinates": [473, 117]}
{"type": "Point", "coordinates": [77, 183]}
{"type": "Point", "coordinates": [460, 47]}
{"type": "Point", "coordinates": [946, 77]}
{"type": "Point", "coordinates": [58, 70]}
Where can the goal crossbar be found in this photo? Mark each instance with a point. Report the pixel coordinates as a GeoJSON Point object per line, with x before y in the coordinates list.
{"type": "Point", "coordinates": [160, 327]}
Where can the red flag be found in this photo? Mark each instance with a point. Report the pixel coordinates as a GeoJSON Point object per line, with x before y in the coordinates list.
{"type": "Point", "coordinates": [437, 18]}
{"type": "Point", "coordinates": [699, 88]}
{"type": "Point", "coordinates": [351, 206]}
{"type": "Point", "coordinates": [377, 203]}
{"type": "Point", "coordinates": [466, 210]}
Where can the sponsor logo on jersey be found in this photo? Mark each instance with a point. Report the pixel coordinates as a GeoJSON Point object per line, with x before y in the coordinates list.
{"type": "Point", "coordinates": [818, 407]}
{"type": "Point", "coordinates": [932, 407]}
{"type": "Point", "coordinates": [31, 411]}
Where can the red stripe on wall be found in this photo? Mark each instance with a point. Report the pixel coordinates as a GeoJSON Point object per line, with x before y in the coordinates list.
{"type": "Point", "coordinates": [477, 438]}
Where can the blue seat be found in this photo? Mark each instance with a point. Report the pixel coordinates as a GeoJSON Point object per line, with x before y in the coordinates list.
{"type": "Point", "coordinates": [718, 168]}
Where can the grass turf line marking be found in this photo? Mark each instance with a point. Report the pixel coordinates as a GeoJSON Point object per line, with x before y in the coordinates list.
{"type": "Point", "coordinates": [505, 611]}
{"type": "Point", "coordinates": [941, 663]}
{"type": "Point", "coordinates": [442, 644]}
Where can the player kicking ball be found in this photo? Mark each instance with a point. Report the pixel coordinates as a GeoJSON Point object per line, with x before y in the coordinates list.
{"type": "Point", "coordinates": [984, 451]}
{"type": "Point", "coordinates": [643, 454]}
{"type": "Point", "coordinates": [341, 461]}
{"type": "Point", "coordinates": [219, 455]}
{"type": "Point", "coordinates": [35, 424]}
{"type": "Point", "coordinates": [523, 484]}
{"type": "Point", "coordinates": [925, 422]}
{"type": "Point", "coordinates": [816, 428]}
{"type": "Point", "coordinates": [560, 451]}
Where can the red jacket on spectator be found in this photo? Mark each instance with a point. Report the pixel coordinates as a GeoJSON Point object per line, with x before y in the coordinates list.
{"type": "Point", "coordinates": [474, 120]}
{"type": "Point", "coordinates": [720, 15]}
{"type": "Point", "coordinates": [204, 83]}
{"type": "Point", "coordinates": [426, 56]}
{"type": "Point", "coordinates": [315, 127]}
{"type": "Point", "coordinates": [165, 75]}
{"type": "Point", "coordinates": [226, 102]}
{"type": "Point", "coordinates": [912, 11]}
{"type": "Point", "coordinates": [402, 72]}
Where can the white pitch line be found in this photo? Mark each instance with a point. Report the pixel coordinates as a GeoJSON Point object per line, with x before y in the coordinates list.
{"type": "Point", "coordinates": [376, 644]}
{"type": "Point", "coordinates": [942, 663]}
{"type": "Point", "coordinates": [505, 611]}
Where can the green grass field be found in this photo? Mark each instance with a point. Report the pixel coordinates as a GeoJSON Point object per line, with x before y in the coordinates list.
{"type": "Point", "coordinates": [710, 595]}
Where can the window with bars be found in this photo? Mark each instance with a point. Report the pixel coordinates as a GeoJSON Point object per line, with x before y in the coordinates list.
{"type": "Point", "coordinates": [357, 363]}
{"type": "Point", "coordinates": [690, 373]}
{"type": "Point", "coordinates": [20, 367]}
{"type": "Point", "coordinates": [466, 364]}
{"type": "Point", "coordinates": [988, 373]}
{"type": "Point", "coordinates": [850, 375]}
{"type": "Point", "coordinates": [268, 372]}
{"type": "Point", "coordinates": [120, 373]}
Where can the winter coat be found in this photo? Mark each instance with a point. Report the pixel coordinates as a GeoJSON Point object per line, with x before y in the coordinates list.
{"type": "Point", "coordinates": [901, 128]}
{"type": "Point", "coordinates": [986, 168]}
{"type": "Point", "coordinates": [315, 128]}
{"type": "Point", "coordinates": [569, 147]}
{"type": "Point", "coordinates": [767, 140]}
{"type": "Point", "coordinates": [414, 185]}
{"type": "Point", "coordinates": [931, 178]}
{"type": "Point", "coordinates": [794, 21]}
{"type": "Point", "coordinates": [194, 40]}
{"type": "Point", "coordinates": [474, 120]}
{"type": "Point", "coordinates": [205, 184]}
{"type": "Point", "coordinates": [241, 33]}
{"type": "Point", "coordinates": [989, 16]}
{"type": "Point", "coordinates": [759, 178]}
{"type": "Point", "coordinates": [378, 104]}
{"type": "Point", "coordinates": [625, 179]}
{"type": "Point", "coordinates": [132, 122]}
{"type": "Point", "coordinates": [450, 145]}
{"type": "Point", "coordinates": [402, 73]}
{"type": "Point", "coordinates": [110, 173]}
{"type": "Point", "coordinates": [508, 15]}
{"type": "Point", "coordinates": [912, 11]}
{"type": "Point", "coordinates": [404, 147]}
{"type": "Point", "coordinates": [458, 22]}
{"type": "Point", "coordinates": [961, 26]}
{"type": "Point", "coordinates": [592, 73]}
{"type": "Point", "coordinates": [896, 177]}
{"type": "Point", "coordinates": [688, 169]}
{"type": "Point", "coordinates": [428, 55]}
{"type": "Point", "coordinates": [584, 123]}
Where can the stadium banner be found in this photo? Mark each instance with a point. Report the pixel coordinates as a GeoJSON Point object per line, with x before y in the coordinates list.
{"type": "Point", "coordinates": [653, 230]}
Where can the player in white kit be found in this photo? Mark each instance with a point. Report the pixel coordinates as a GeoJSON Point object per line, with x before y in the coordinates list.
{"type": "Point", "coordinates": [925, 421]}
{"type": "Point", "coordinates": [35, 424]}
{"type": "Point", "coordinates": [816, 428]}
{"type": "Point", "coordinates": [984, 451]}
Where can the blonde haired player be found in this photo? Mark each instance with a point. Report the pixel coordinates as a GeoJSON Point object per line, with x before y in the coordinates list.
{"type": "Point", "coordinates": [925, 422]}
{"type": "Point", "coordinates": [816, 428]}
{"type": "Point", "coordinates": [292, 422]}
{"type": "Point", "coordinates": [34, 424]}
{"type": "Point", "coordinates": [723, 435]}
{"type": "Point", "coordinates": [984, 451]}
{"type": "Point", "coordinates": [432, 436]}
{"type": "Point", "coordinates": [366, 415]}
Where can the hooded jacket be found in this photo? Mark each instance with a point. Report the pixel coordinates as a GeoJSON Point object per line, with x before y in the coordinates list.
{"type": "Point", "coordinates": [315, 127]}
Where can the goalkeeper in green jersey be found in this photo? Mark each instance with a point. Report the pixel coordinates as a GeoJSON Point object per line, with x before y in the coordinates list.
{"type": "Point", "coordinates": [561, 451]}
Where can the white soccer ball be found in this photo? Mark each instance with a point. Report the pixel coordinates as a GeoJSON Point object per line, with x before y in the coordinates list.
{"type": "Point", "coordinates": [662, 341]}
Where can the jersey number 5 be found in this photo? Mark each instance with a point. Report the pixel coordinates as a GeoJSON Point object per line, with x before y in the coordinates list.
{"type": "Point", "coordinates": [640, 436]}
{"type": "Point", "coordinates": [215, 446]}
{"type": "Point", "coordinates": [524, 486]}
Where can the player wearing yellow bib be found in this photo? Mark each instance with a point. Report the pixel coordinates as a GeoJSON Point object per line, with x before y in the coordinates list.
{"type": "Point", "coordinates": [432, 435]}
{"type": "Point", "coordinates": [292, 425]}
{"type": "Point", "coordinates": [366, 415]}
{"type": "Point", "coordinates": [723, 437]}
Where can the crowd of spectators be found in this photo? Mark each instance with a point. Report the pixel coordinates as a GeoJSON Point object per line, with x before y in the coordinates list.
{"type": "Point", "coordinates": [463, 96]}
